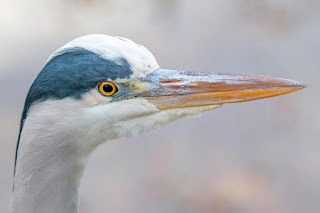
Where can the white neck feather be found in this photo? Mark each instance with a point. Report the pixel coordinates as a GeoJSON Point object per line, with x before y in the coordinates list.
{"type": "Point", "coordinates": [59, 135]}
{"type": "Point", "coordinates": [47, 175]}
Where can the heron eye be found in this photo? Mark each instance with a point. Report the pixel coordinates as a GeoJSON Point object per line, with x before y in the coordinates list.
{"type": "Point", "coordinates": [107, 88]}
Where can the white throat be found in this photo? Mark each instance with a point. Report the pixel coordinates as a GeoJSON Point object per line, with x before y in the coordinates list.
{"type": "Point", "coordinates": [58, 137]}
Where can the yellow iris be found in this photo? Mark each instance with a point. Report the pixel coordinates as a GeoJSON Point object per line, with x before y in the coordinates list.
{"type": "Point", "coordinates": [107, 88]}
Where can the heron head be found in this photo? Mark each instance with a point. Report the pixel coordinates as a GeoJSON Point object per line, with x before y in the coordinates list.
{"type": "Point", "coordinates": [98, 87]}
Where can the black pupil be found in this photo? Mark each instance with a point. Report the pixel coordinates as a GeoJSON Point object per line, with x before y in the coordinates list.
{"type": "Point", "coordinates": [107, 88]}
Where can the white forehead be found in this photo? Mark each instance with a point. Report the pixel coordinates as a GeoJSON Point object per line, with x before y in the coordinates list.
{"type": "Point", "coordinates": [141, 60]}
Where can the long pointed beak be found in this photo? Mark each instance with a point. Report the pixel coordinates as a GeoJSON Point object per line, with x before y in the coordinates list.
{"type": "Point", "coordinates": [176, 89]}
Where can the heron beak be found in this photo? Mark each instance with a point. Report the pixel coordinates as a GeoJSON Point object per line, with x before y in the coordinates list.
{"type": "Point", "coordinates": [177, 89]}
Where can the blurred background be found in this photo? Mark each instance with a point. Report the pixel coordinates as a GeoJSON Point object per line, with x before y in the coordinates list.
{"type": "Point", "coordinates": [261, 156]}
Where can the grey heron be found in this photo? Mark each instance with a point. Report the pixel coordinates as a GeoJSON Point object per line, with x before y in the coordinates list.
{"type": "Point", "coordinates": [97, 88]}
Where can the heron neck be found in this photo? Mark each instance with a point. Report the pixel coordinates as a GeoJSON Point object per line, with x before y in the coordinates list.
{"type": "Point", "coordinates": [48, 174]}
